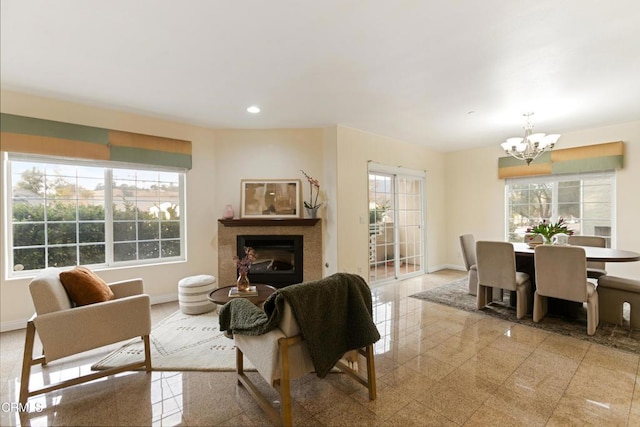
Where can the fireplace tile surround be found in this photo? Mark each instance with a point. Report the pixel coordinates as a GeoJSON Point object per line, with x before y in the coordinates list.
{"type": "Point", "coordinates": [228, 230]}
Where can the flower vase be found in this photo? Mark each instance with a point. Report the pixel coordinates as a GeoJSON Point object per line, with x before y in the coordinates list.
{"type": "Point", "coordinates": [312, 212]}
{"type": "Point", "coordinates": [228, 212]}
{"type": "Point", "coordinates": [243, 283]}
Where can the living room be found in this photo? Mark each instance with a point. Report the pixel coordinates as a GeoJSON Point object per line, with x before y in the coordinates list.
{"type": "Point", "coordinates": [464, 194]}
{"type": "Point", "coordinates": [339, 157]}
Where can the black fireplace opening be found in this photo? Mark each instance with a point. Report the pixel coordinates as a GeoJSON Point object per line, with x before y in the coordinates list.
{"type": "Point", "coordinates": [278, 258]}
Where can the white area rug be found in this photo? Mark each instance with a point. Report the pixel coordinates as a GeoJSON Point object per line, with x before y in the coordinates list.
{"type": "Point", "coordinates": [181, 342]}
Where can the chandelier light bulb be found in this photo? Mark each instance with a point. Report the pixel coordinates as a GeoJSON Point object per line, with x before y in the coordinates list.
{"type": "Point", "coordinates": [532, 145]}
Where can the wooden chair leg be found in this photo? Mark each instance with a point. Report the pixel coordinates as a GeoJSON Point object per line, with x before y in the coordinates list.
{"type": "Point", "coordinates": [239, 364]}
{"type": "Point", "coordinates": [371, 372]}
{"type": "Point", "coordinates": [27, 361]}
{"type": "Point", "coordinates": [147, 353]}
{"type": "Point", "coordinates": [285, 385]}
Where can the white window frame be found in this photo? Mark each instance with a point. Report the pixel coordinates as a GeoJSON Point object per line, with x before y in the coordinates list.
{"type": "Point", "coordinates": [555, 179]}
{"type": "Point", "coordinates": [393, 172]}
{"type": "Point", "coordinates": [108, 208]}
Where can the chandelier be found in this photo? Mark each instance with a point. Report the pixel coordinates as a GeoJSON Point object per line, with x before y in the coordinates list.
{"type": "Point", "coordinates": [532, 145]}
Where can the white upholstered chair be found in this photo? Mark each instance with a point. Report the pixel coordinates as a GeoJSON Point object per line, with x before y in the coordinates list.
{"type": "Point", "coordinates": [496, 263]}
{"type": "Point", "coordinates": [595, 269]}
{"type": "Point", "coordinates": [468, 249]}
{"type": "Point", "coordinates": [65, 330]}
{"type": "Point", "coordinates": [561, 272]}
{"type": "Point", "coordinates": [283, 354]}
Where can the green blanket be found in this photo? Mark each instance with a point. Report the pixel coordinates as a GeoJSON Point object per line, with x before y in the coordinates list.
{"type": "Point", "coordinates": [334, 315]}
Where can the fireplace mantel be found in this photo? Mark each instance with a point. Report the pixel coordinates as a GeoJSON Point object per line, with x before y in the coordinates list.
{"type": "Point", "coordinates": [273, 222]}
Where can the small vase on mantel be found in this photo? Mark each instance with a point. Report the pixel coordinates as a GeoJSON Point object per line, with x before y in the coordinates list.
{"type": "Point", "coordinates": [243, 283]}
{"type": "Point", "coordinates": [227, 212]}
{"type": "Point", "coordinates": [312, 212]}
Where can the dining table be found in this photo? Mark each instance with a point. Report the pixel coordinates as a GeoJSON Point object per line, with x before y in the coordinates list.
{"type": "Point", "coordinates": [591, 253]}
{"type": "Point", "coordinates": [525, 262]}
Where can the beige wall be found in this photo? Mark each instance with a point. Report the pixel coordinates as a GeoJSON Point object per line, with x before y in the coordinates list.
{"type": "Point", "coordinates": [329, 211]}
{"type": "Point", "coordinates": [475, 195]}
{"type": "Point", "coordinates": [355, 149]}
{"type": "Point", "coordinates": [160, 280]}
{"type": "Point", "coordinates": [264, 154]}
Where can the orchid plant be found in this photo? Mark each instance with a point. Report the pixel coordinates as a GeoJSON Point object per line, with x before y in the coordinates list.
{"type": "Point", "coordinates": [313, 184]}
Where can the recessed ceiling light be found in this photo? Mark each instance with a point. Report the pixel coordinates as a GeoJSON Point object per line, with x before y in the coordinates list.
{"type": "Point", "coordinates": [254, 109]}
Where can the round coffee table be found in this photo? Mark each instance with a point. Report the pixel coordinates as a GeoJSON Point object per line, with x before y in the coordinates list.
{"type": "Point", "coordinates": [221, 295]}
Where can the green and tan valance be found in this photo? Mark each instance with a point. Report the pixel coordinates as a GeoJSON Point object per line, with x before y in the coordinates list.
{"type": "Point", "coordinates": [590, 158]}
{"type": "Point", "coordinates": [47, 137]}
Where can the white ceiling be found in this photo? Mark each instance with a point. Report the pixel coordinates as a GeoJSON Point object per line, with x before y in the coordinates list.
{"type": "Point", "coordinates": [447, 74]}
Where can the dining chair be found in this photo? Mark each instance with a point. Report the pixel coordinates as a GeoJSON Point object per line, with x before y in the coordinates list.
{"type": "Point", "coordinates": [496, 263]}
{"type": "Point", "coordinates": [561, 272]}
{"type": "Point", "coordinates": [468, 249]}
{"type": "Point", "coordinates": [595, 269]}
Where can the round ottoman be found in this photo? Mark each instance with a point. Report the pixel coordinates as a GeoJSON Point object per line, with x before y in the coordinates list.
{"type": "Point", "coordinates": [193, 292]}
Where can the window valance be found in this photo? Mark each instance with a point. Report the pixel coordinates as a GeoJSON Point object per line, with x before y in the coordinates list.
{"type": "Point", "coordinates": [590, 158]}
{"type": "Point", "coordinates": [47, 137]}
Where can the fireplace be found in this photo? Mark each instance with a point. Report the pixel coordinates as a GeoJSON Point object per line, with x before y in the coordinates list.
{"type": "Point", "coordinates": [279, 258]}
{"type": "Point", "coordinates": [309, 229]}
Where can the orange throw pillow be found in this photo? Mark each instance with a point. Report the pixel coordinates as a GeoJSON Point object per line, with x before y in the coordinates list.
{"type": "Point", "coordinates": [85, 287]}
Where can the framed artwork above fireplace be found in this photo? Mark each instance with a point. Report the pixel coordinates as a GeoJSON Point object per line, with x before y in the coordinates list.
{"type": "Point", "coordinates": [273, 198]}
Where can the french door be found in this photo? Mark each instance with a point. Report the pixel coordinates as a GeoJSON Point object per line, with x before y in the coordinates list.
{"type": "Point", "coordinates": [396, 223]}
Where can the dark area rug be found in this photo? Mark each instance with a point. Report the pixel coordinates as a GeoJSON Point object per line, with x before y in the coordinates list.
{"type": "Point", "coordinates": [455, 294]}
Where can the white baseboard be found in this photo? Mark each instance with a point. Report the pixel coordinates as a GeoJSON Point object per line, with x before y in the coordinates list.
{"type": "Point", "coordinates": [13, 326]}
{"type": "Point", "coordinates": [21, 324]}
{"type": "Point", "coordinates": [435, 268]}
{"type": "Point", "coordinates": [161, 299]}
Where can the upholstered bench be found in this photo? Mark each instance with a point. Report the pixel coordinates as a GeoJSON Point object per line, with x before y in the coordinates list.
{"type": "Point", "coordinates": [613, 292]}
{"type": "Point", "coordinates": [193, 292]}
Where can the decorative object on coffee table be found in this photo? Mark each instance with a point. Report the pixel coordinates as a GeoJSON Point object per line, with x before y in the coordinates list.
{"type": "Point", "coordinates": [243, 283]}
{"type": "Point", "coordinates": [221, 296]}
{"type": "Point", "coordinates": [244, 265]}
{"type": "Point", "coordinates": [251, 291]}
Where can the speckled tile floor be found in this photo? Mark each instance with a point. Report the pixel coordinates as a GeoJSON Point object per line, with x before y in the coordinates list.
{"type": "Point", "coordinates": [435, 366]}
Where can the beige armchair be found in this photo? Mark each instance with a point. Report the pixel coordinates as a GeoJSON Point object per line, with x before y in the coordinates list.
{"type": "Point", "coordinates": [497, 269]}
{"type": "Point", "coordinates": [65, 330]}
{"type": "Point", "coordinates": [317, 323]}
{"type": "Point", "coordinates": [561, 272]}
{"type": "Point", "coordinates": [468, 249]}
{"type": "Point", "coordinates": [595, 269]}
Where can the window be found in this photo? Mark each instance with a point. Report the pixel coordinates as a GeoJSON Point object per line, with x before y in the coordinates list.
{"type": "Point", "coordinates": [74, 213]}
{"type": "Point", "coordinates": [585, 201]}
